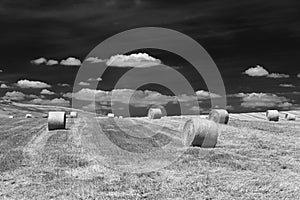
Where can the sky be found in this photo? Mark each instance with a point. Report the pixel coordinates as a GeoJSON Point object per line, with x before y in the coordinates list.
{"type": "Point", "coordinates": [255, 45]}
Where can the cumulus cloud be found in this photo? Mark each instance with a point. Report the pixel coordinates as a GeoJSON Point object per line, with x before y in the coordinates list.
{"type": "Point", "coordinates": [32, 84]}
{"type": "Point", "coordinates": [94, 79]}
{"type": "Point", "coordinates": [287, 85]}
{"type": "Point", "coordinates": [14, 95]}
{"type": "Point", "coordinates": [39, 61]}
{"type": "Point", "coordinates": [134, 60]}
{"type": "Point", "coordinates": [206, 95]}
{"type": "Point", "coordinates": [71, 62]}
{"type": "Point", "coordinates": [47, 92]}
{"type": "Point", "coordinates": [254, 100]}
{"type": "Point", "coordinates": [83, 83]}
{"type": "Point", "coordinates": [256, 71]}
{"type": "Point", "coordinates": [63, 85]}
{"type": "Point", "coordinates": [56, 101]}
{"type": "Point", "coordinates": [3, 86]}
{"type": "Point", "coordinates": [51, 62]}
{"type": "Point", "coordinates": [260, 72]}
{"type": "Point", "coordinates": [278, 75]}
{"type": "Point", "coordinates": [95, 60]}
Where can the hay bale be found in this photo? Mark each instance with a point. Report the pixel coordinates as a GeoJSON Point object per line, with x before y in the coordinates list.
{"type": "Point", "coordinates": [154, 113]}
{"type": "Point", "coordinates": [28, 116]}
{"type": "Point", "coordinates": [272, 115]}
{"type": "Point", "coordinates": [290, 117]}
{"type": "Point", "coordinates": [120, 117]}
{"type": "Point", "coordinates": [56, 120]}
{"type": "Point", "coordinates": [110, 115]}
{"type": "Point", "coordinates": [45, 115]}
{"type": "Point", "coordinates": [10, 117]}
{"type": "Point", "coordinates": [73, 114]}
{"type": "Point", "coordinates": [220, 116]}
{"type": "Point", "coordinates": [200, 132]}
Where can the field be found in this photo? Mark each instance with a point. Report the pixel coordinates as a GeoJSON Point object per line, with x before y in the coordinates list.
{"type": "Point", "coordinates": [135, 158]}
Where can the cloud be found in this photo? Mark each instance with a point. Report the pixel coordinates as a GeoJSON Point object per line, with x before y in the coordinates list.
{"type": "Point", "coordinates": [1, 70]}
{"type": "Point", "coordinates": [3, 86]}
{"type": "Point", "coordinates": [39, 61]}
{"type": "Point", "coordinates": [47, 92]}
{"type": "Point", "coordinates": [287, 85]}
{"type": "Point", "coordinates": [84, 83]}
{"type": "Point", "coordinates": [51, 62]}
{"type": "Point", "coordinates": [68, 95]}
{"type": "Point", "coordinates": [254, 100]}
{"type": "Point", "coordinates": [56, 101]}
{"type": "Point", "coordinates": [94, 79]}
{"type": "Point", "coordinates": [278, 75]}
{"type": "Point", "coordinates": [95, 60]}
{"type": "Point", "coordinates": [134, 60]}
{"type": "Point", "coordinates": [260, 71]}
{"type": "Point", "coordinates": [32, 84]}
{"type": "Point", "coordinates": [14, 95]}
{"type": "Point", "coordinates": [256, 71]}
{"type": "Point", "coordinates": [63, 84]}
{"type": "Point", "coordinates": [206, 95]}
{"type": "Point", "coordinates": [71, 62]}
{"type": "Point", "coordinates": [298, 75]}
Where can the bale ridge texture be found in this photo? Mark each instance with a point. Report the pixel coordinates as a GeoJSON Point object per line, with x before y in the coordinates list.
{"type": "Point", "coordinates": [73, 114]}
{"type": "Point", "coordinates": [56, 120]}
{"type": "Point", "coordinates": [154, 113]}
{"type": "Point", "coordinates": [272, 115]}
{"type": "Point", "coordinates": [200, 132]}
{"type": "Point", "coordinates": [220, 116]}
{"type": "Point", "coordinates": [290, 117]}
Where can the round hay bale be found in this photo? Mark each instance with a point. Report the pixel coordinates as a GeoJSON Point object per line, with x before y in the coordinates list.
{"type": "Point", "coordinates": [272, 115]}
{"type": "Point", "coordinates": [220, 116]}
{"type": "Point", "coordinates": [154, 113]}
{"type": "Point", "coordinates": [28, 116]}
{"type": "Point", "coordinates": [56, 120]}
{"type": "Point", "coordinates": [290, 117]}
{"type": "Point", "coordinates": [110, 115]}
{"type": "Point", "coordinates": [73, 114]}
{"type": "Point", "coordinates": [45, 115]}
{"type": "Point", "coordinates": [10, 117]}
{"type": "Point", "coordinates": [200, 132]}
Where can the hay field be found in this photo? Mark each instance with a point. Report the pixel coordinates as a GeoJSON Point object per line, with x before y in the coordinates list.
{"type": "Point", "coordinates": [94, 158]}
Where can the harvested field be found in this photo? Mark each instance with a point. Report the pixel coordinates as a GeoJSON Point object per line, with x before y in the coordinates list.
{"type": "Point", "coordinates": [114, 159]}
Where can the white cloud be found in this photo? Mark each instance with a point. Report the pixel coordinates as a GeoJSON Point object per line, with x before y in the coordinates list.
{"type": "Point", "coordinates": [256, 71]}
{"type": "Point", "coordinates": [133, 60]}
{"type": "Point", "coordinates": [94, 79]}
{"type": "Point", "coordinates": [56, 101]}
{"type": "Point", "coordinates": [14, 95]}
{"type": "Point", "coordinates": [47, 92]}
{"type": "Point", "coordinates": [3, 86]}
{"type": "Point", "coordinates": [253, 100]}
{"type": "Point", "coordinates": [84, 83]}
{"type": "Point", "coordinates": [278, 75]}
{"type": "Point", "coordinates": [51, 62]}
{"type": "Point", "coordinates": [63, 85]}
{"type": "Point", "coordinates": [32, 84]}
{"type": "Point", "coordinates": [95, 60]}
{"type": "Point", "coordinates": [68, 95]}
{"type": "Point", "coordinates": [39, 61]}
{"type": "Point", "coordinates": [71, 62]}
{"type": "Point", "coordinates": [298, 75]}
{"type": "Point", "coordinates": [1, 70]}
{"type": "Point", "coordinates": [206, 95]}
{"type": "Point", "coordinates": [287, 85]}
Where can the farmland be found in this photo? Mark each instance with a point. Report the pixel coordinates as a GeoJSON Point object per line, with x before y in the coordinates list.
{"type": "Point", "coordinates": [134, 158]}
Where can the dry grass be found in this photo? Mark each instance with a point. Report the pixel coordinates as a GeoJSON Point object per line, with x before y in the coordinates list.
{"type": "Point", "coordinates": [252, 160]}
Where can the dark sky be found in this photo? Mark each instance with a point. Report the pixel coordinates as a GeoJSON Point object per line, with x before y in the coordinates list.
{"type": "Point", "coordinates": [237, 35]}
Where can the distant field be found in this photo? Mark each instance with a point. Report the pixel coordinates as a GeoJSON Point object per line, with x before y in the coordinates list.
{"type": "Point", "coordinates": [95, 157]}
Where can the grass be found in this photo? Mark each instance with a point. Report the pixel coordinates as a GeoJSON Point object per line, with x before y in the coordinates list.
{"type": "Point", "coordinates": [253, 160]}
